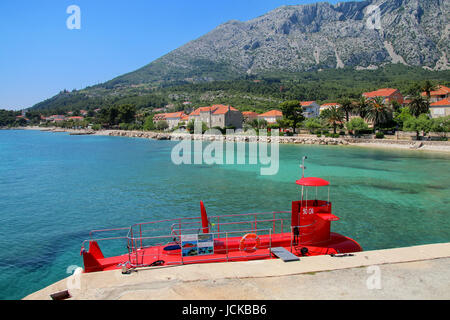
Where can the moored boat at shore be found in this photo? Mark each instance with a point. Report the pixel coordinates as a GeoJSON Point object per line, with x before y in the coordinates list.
{"type": "Point", "coordinates": [303, 231]}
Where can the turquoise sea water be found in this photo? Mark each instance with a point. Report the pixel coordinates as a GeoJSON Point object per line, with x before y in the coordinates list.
{"type": "Point", "coordinates": [55, 188]}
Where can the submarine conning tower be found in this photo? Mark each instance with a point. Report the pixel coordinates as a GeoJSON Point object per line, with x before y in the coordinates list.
{"type": "Point", "coordinates": [311, 218]}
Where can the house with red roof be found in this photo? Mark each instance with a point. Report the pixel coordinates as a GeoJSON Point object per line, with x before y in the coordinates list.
{"type": "Point", "coordinates": [22, 117]}
{"type": "Point", "coordinates": [173, 119]}
{"type": "Point", "coordinates": [250, 115]}
{"type": "Point", "coordinates": [218, 116]}
{"type": "Point", "coordinates": [56, 118]}
{"type": "Point", "coordinates": [388, 94]}
{"type": "Point", "coordinates": [326, 106]}
{"type": "Point", "coordinates": [271, 116]}
{"type": "Point", "coordinates": [76, 118]}
{"type": "Point", "coordinates": [310, 109]}
{"type": "Point", "coordinates": [440, 108]}
{"type": "Point", "coordinates": [441, 93]}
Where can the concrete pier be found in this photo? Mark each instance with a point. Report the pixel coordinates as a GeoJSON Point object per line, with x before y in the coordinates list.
{"type": "Point", "coordinates": [420, 272]}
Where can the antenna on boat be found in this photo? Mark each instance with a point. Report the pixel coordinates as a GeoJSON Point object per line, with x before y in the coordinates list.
{"type": "Point", "coordinates": [303, 172]}
{"type": "Point", "coordinates": [303, 166]}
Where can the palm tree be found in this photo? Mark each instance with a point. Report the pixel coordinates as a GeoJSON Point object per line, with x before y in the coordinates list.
{"type": "Point", "coordinates": [419, 105]}
{"type": "Point", "coordinates": [378, 112]}
{"type": "Point", "coordinates": [428, 86]}
{"type": "Point", "coordinates": [333, 116]}
{"type": "Point", "coordinates": [347, 107]}
{"type": "Point", "coordinates": [361, 107]}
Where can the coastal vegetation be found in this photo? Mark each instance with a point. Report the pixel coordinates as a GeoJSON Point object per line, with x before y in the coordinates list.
{"type": "Point", "coordinates": [249, 93]}
{"type": "Point", "coordinates": [355, 114]}
{"type": "Point", "coordinates": [8, 118]}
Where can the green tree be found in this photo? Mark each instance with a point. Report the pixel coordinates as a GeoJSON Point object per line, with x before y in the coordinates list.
{"type": "Point", "coordinates": [162, 125]}
{"type": "Point", "coordinates": [312, 124]}
{"type": "Point", "coordinates": [427, 87]}
{"type": "Point", "coordinates": [441, 125]}
{"type": "Point", "coordinates": [378, 112]}
{"type": "Point", "coordinates": [112, 116]}
{"type": "Point", "coordinates": [333, 116]}
{"type": "Point", "coordinates": [395, 105]}
{"type": "Point", "coordinates": [292, 111]}
{"type": "Point", "coordinates": [356, 125]}
{"type": "Point", "coordinates": [191, 126]}
{"type": "Point", "coordinates": [149, 124]}
{"type": "Point", "coordinates": [126, 113]}
{"type": "Point", "coordinates": [421, 123]}
{"type": "Point", "coordinates": [419, 105]}
{"type": "Point", "coordinates": [347, 107]}
{"type": "Point", "coordinates": [362, 107]}
{"type": "Point", "coordinates": [414, 89]}
{"type": "Point", "coordinates": [401, 115]}
{"type": "Point", "coordinates": [258, 123]}
{"type": "Point", "coordinates": [284, 123]}
{"type": "Point", "coordinates": [8, 117]}
{"type": "Point", "coordinates": [33, 116]}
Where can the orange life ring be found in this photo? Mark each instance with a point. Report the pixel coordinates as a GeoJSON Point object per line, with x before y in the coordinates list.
{"type": "Point", "coordinates": [242, 246]}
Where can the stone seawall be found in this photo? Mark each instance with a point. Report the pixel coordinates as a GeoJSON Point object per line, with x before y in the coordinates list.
{"type": "Point", "coordinates": [434, 146]}
{"type": "Point", "coordinates": [304, 139]}
{"type": "Point", "coordinates": [300, 139]}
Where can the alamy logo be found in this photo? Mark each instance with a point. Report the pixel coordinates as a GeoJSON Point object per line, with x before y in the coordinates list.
{"type": "Point", "coordinates": [373, 282]}
{"type": "Point", "coordinates": [74, 20]}
{"type": "Point", "coordinates": [188, 152]}
{"type": "Point", "coordinates": [74, 280]}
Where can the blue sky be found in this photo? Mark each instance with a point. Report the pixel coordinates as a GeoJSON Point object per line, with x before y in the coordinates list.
{"type": "Point", "coordinates": [39, 55]}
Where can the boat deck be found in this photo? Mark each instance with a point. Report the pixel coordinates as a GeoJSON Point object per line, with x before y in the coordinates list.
{"type": "Point", "coordinates": [228, 250]}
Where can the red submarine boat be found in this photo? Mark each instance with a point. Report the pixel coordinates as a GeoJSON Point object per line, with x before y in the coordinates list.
{"type": "Point", "coordinates": [303, 231]}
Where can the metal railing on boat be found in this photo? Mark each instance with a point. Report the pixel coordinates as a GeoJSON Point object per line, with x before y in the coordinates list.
{"type": "Point", "coordinates": [146, 239]}
{"type": "Point", "coordinates": [140, 256]}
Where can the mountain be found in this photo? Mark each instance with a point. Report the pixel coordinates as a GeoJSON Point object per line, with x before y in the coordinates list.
{"type": "Point", "coordinates": [314, 42]}
{"type": "Point", "coordinates": [310, 37]}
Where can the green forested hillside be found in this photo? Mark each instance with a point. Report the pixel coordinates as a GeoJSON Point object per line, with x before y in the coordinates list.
{"type": "Point", "coordinates": [250, 93]}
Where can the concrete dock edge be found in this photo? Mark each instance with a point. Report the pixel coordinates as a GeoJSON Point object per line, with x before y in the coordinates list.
{"type": "Point", "coordinates": [419, 272]}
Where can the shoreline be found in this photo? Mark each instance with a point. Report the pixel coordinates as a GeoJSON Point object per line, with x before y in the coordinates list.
{"type": "Point", "coordinates": [384, 144]}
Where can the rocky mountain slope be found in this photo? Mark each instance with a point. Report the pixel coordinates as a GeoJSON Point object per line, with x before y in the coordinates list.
{"type": "Point", "coordinates": [311, 37]}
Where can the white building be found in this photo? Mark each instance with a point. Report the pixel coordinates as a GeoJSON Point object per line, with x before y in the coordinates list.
{"type": "Point", "coordinates": [272, 116]}
{"type": "Point", "coordinates": [440, 108]}
{"type": "Point", "coordinates": [310, 109]}
{"type": "Point", "coordinates": [173, 119]}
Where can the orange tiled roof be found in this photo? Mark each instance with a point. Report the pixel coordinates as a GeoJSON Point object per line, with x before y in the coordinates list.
{"type": "Point", "coordinates": [441, 91]}
{"type": "Point", "coordinates": [215, 109]}
{"type": "Point", "coordinates": [444, 102]}
{"type": "Point", "coordinates": [386, 92]}
{"type": "Point", "coordinates": [179, 114]}
{"type": "Point", "coordinates": [223, 109]}
{"type": "Point", "coordinates": [159, 116]}
{"type": "Point", "coordinates": [306, 103]}
{"type": "Point", "coordinates": [272, 113]}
